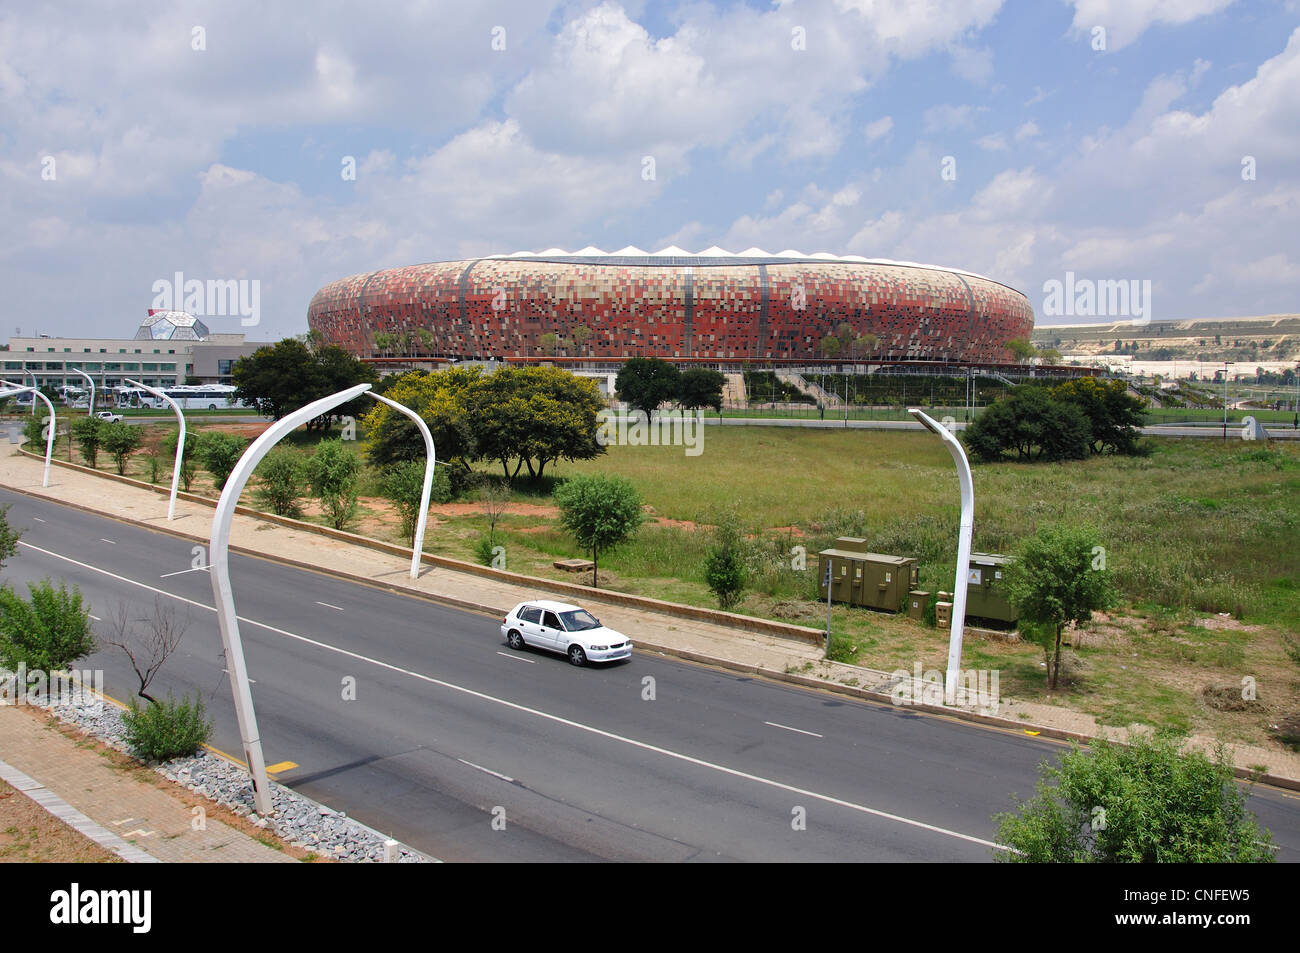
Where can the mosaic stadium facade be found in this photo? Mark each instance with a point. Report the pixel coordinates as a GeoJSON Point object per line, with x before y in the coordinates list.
{"type": "Point", "coordinates": [673, 304]}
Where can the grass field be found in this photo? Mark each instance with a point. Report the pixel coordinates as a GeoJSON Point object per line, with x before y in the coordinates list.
{"type": "Point", "coordinates": [1203, 539]}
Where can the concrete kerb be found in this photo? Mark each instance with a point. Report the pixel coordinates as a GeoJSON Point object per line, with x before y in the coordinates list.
{"type": "Point", "coordinates": [804, 681]}
{"type": "Point", "coordinates": [733, 620]}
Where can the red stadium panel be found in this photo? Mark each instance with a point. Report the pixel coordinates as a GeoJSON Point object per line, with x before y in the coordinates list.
{"type": "Point", "coordinates": [680, 307]}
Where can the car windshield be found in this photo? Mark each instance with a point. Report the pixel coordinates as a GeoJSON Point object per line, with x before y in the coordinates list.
{"type": "Point", "coordinates": [579, 621]}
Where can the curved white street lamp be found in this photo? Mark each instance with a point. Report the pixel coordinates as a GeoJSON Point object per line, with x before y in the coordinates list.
{"type": "Point", "coordinates": [91, 381]}
{"type": "Point", "coordinates": [963, 549]}
{"type": "Point", "coordinates": [224, 602]}
{"type": "Point", "coordinates": [417, 549]}
{"type": "Point", "coordinates": [180, 443]}
{"type": "Point", "coordinates": [49, 430]}
{"type": "Point", "coordinates": [35, 384]}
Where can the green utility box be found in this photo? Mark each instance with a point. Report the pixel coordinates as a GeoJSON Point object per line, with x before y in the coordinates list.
{"type": "Point", "coordinates": [985, 589]}
{"type": "Point", "coordinates": [860, 578]}
{"type": "Point", "coordinates": [916, 602]}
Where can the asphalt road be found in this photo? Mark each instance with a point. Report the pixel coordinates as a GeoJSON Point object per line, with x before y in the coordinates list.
{"type": "Point", "coordinates": [450, 728]}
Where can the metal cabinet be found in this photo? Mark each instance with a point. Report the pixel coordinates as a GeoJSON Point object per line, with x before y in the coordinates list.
{"type": "Point", "coordinates": [860, 578]}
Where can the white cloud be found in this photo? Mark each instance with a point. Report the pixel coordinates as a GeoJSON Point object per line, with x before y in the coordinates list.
{"type": "Point", "coordinates": [994, 142]}
{"type": "Point", "coordinates": [948, 117]}
{"type": "Point", "coordinates": [1126, 20]}
{"type": "Point", "coordinates": [879, 128]}
{"type": "Point", "coordinates": [1027, 130]}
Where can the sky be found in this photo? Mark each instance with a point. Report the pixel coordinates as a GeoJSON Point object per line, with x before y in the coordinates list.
{"type": "Point", "coordinates": [281, 146]}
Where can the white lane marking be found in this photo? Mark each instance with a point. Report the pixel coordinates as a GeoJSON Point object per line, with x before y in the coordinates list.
{"type": "Point", "coordinates": [328, 606]}
{"type": "Point", "coordinates": [251, 681]}
{"type": "Point", "coordinates": [486, 770]}
{"type": "Point", "coordinates": [788, 728]}
{"type": "Point", "coordinates": [109, 541]}
{"type": "Point", "coordinates": [599, 732]}
{"type": "Point", "coordinates": [183, 572]}
{"type": "Point", "coordinates": [38, 519]}
{"type": "Point", "coordinates": [516, 658]}
{"type": "Point", "coordinates": [95, 617]}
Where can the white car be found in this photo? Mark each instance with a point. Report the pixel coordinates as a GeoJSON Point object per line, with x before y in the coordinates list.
{"type": "Point", "coordinates": [109, 417]}
{"type": "Point", "coordinates": [560, 627]}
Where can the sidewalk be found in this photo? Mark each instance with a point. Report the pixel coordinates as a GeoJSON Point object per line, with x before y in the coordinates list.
{"type": "Point", "coordinates": [136, 813]}
{"type": "Point", "coordinates": [774, 657]}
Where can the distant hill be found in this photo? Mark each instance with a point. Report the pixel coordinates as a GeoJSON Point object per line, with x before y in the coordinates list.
{"type": "Point", "coordinates": [1274, 337]}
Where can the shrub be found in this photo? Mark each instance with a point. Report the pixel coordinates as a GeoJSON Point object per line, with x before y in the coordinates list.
{"type": "Point", "coordinates": [1145, 802]}
{"type": "Point", "coordinates": [600, 511]}
{"type": "Point", "coordinates": [88, 434]}
{"type": "Point", "coordinates": [402, 484]}
{"type": "Point", "coordinates": [332, 472]}
{"type": "Point", "coordinates": [483, 550]}
{"type": "Point", "coordinates": [219, 452]}
{"type": "Point", "coordinates": [121, 440]}
{"type": "Point", "coordinates": [48, 632]}
{"type": "Point", "coordinates": [165, 730]}
{"type": "Point", "coordinates": [725, 571]}
{"type": "Point", "coordinates": [282, 483]}
{"type": "Point", "coordinates": [168, 447]}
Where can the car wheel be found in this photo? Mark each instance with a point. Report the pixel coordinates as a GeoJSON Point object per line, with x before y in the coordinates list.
{"type": "Point", "coordinates": [212, 406]}
{"type": "Point", "coordinates": [576, 655]}
{"type": "Point", "coordinates": [514, 639]}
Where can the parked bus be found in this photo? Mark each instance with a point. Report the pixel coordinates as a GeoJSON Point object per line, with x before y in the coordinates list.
{"type": "Point", "coordinates": [196, 397]}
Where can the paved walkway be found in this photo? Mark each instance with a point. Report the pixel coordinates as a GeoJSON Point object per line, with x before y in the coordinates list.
{"type": "Point", "coordinates": [699, 640]}
{"type": "Point", "coordinates": [139, 820]}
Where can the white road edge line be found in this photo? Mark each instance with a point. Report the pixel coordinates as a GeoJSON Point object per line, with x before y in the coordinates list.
{"type": "Point", "coordinates": [183, 572]}
{"type": "Point", "coordinates": [600, 732]}
{"type": "Point", "coordinates": [109, 541]}
{"type": "Point", "coordinates": [38, 519]}
{"type": "Point", "coordinates": [486, 770]}
{"type": "Point", "coordinates": [328, 606]}
{"type": "Point", "coordinates": [788, 728]}
{"type": "Point", "coordinates": [516, 658]}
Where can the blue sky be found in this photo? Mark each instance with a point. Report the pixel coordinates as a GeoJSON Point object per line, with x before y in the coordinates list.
{"type": "Point", "coordinates": [127, 154]}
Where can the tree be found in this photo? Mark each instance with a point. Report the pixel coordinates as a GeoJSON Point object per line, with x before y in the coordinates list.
{"type": "Point", "coordinates": [1059, 577]}
{"type": "Point", "coordinates": [168, 446]}
{"type": "Point", "coordinates": [1031, 423]}
{"type": "Point", "coordinates": [403, 484]}
{"type": "Point", "coordinates": [219, 451]}
{"type": "Point", "coordinates": [332, 471]}
{"type": "Point", "coordinates": [1021, 350]}
{"type": "Point", "coordinates": [646, 382]}
{"type": "Point", "coordinates": [533, 416]}
{"type": "Point", "coordinates": [831, 346]}
{"type": "Point", "coordinates": [121, 440]}
{"type": "Point", "coordinates": [149, 649]}
{"type": "Point", "coordinates": [550, 343]}
{"type": "Point", "coordinates": [281, 482]}
{"type": "Point", "coordinates": [580, 336]}
{"type": "Point", "coordinates": [601, 511]}
{"type": "Point", "coordinates": [701, 388]}
{"type": "Point", "coordinates": [279, 379]}
{"type": "Point", "coordinates": [47, 632]}
{"type": "Point", "coordinates": [725, 571]}
{"type": "Point", "coordinates": [1145, 802]}
{"type": "Point", "coordinates": [494, 497]}
{"type": "Point", "coordinates": [1049, 355]}
{"type": "Point", "coordinates": [8, 537]}
{"type": "Point", "coordinates": [1114, 415]}
{"type": "Point", "coordinates": [866, 343]}
{"type": "Point", "coordinates": [442, 401]}
{"type": "Point", "coordinates": [88, 432]}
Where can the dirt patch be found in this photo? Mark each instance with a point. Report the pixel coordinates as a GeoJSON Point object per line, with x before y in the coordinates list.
{"type": "Point", "coordinates": [30, 834]}
{"type": "Point", "coordinates": [1218, 623]}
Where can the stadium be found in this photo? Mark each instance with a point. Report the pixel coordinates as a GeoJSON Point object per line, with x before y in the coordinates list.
{"type": "Point", "coordinates": [713, 306]}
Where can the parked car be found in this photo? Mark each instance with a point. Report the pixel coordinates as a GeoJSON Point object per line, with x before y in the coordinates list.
{"type": "Point", "coordinates": [560, 627]}
{"type": "Point", "coordinates": [109, 417]}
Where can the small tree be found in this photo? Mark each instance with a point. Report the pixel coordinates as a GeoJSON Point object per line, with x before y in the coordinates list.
{"type": "Point", "coordinates": [1059, 577]}
{"type": "Point", "coordinates": [282, 482]}
{"type": "Point", "coordinates": [88, 434]}
{"type": "Point", "coordinates": [8, 537]}
{"type": "Point", "coordinates": [219, 451]}
{"type": "Point", "coordinates": [724, 564]}
{"type": "Point", "coordinates": [168, 446]}
{"type": "Point", "coordinates": [1021, 350]}
{"type": "Point", "coordinates": [1145, 802]}
{"type": "Point", "coordinates": [403, 485]}
{"type": "Point", "coordinates": [332, 472]}
{"type": "Point", "coordinates": [600, 511]}
{"type": "Point", "coordinates": [148, 649]}
{"type": "Point", "coordinates": [121, 440]}
{"type": "Point", "coordinates": [494, 498]}
{"type": "Point", "coordinates": [48, 632]}
{"type": "Point", "coordinates": [701, 388]}
{"type": "Point", "coordinates": [646, 382]}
